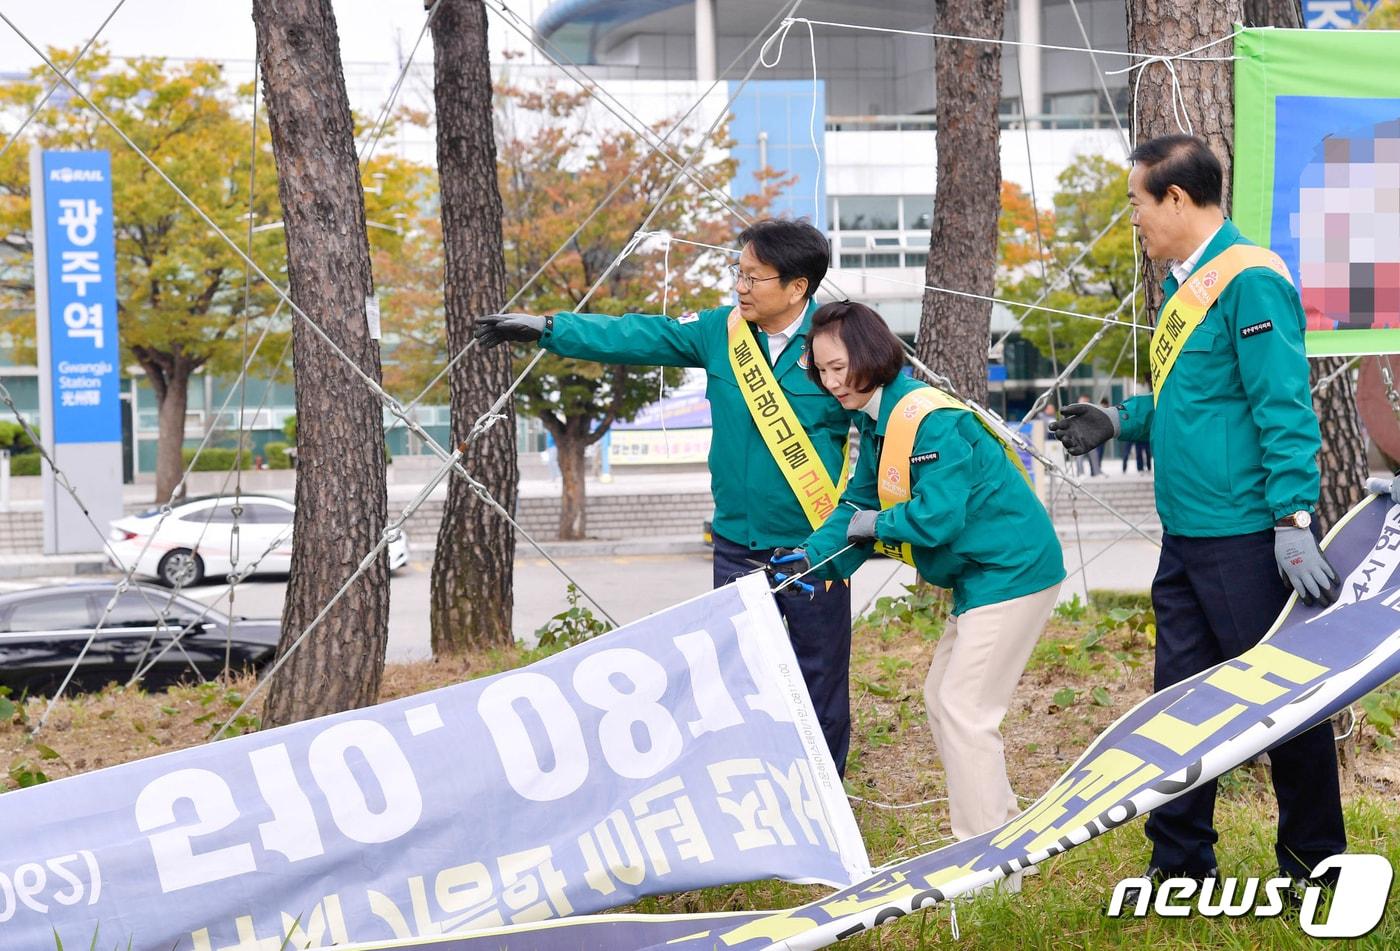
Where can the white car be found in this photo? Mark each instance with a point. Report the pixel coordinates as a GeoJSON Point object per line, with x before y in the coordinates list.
{"type": "Point", "coordinates": [196, 538]}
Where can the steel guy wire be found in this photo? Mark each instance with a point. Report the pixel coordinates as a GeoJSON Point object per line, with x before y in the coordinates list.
{"type": "Point", "coordinates": [14, 136]}
{"type": "Point", "coordinates": [389, 401]}
{"type": "Point", "coordinates": [492, 415]}
{"type": "Point", "coordinates": [1099, 75]}
{"type": "Point", "coordinates": [381, 123]}
{"type": "Point", "coordinates": [607, 199]}
{"type": "Point", "coordinates": [655, 210]}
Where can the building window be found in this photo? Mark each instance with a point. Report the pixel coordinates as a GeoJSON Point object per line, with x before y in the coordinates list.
{"type": "Point", "coordinates": [918, 212]}
{"type": "Point", "coordinates": [868, 213]}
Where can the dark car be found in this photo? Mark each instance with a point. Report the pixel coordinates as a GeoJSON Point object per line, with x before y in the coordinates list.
{"type": "Point", "coordinates": [42, 631]}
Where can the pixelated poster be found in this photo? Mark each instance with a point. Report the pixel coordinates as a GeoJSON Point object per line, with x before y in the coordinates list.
{"type": "Point", "coordinates": [1317, 175]}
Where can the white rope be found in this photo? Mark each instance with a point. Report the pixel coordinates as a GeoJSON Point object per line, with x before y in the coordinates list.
{"type": "Point", "coordinates": [796, 578]}
{"type": "Point", "coordinates": [486, 421]}
{"type": "Point", "coordinates": [895, 806]}
{"type": "Point", "coordinates": [1326, 381]}
{"type": "Point", "coordinates": [1001, 42]}
{"type": "Point", "coordinates": [1038, 308]}
{"type": "Point", "coordinates": [637, 237]}
{"type": "Point", "coordinates": [781, 37]}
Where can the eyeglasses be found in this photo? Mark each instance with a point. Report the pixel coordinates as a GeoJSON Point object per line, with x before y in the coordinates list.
{"type": "Point", "coordinates": [745, 282]}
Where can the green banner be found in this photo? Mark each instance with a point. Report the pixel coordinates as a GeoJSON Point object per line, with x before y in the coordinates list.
{"type": "Point", "coordinates": [1317, 175]}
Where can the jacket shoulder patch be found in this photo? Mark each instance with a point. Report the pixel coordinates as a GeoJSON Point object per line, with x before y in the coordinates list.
{"type": "Point", "coordinates": [689, 317]}
{"type": "Point", "coordinates": [924, 457]}
{"type": "Point", "coordinates": [1263, 327]}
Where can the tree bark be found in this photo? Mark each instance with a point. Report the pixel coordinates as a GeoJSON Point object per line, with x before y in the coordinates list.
{"type": "Point", "coordinates": [1165, 28]}
{"type": "Point", "coordinates": [953, 331]}
{"type": "Point", "coordinates": [573, 503]}
{"type": "Point", "coordinates": [170, 382]}
{"type": "Point", "coordinates": [473, 567]}
{"type": "Point", "coordinates": [1342, 459]}
{"type": "Point", "coordinates": [340, 492]}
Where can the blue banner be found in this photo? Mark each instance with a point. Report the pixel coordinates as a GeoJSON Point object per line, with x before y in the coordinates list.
{"type": "Point", "coordinates": [677, 752]}
{"type": "Point", "coordinates": [1313, 663]}
{"type": "Point", "coordinates": [84, 363]}
{"type": "Point", "coordinates": [1335, 14]}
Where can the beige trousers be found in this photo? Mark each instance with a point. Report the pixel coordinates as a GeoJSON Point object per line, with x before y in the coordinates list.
{"type": "Point", "coordinates": [975, 668]}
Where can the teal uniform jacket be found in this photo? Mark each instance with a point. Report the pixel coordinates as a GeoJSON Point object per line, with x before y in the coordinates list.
{"type": "Point", "coordinates": [1234, 435]}
{"type": "Point", "coordinates": [975, 525]}
{"type": "Point", "coordinates": [754, 505]}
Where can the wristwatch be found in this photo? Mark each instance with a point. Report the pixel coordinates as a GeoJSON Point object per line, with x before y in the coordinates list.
{"type": "Point", "coordinates": [1298, 519]}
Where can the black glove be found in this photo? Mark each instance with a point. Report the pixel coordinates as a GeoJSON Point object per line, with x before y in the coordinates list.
{"type": "Point", "coordinates": [1085, 426]}
{"type": "Point", "coordinates": [495, 329]}
{"type": "Point", "coordinates": [788, 563]}
{"type": "Point", "coordinates": [861, 530]}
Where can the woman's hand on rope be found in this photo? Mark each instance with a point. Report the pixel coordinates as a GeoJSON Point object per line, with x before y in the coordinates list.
{"type": "Point", "coordinates": [861, 530]}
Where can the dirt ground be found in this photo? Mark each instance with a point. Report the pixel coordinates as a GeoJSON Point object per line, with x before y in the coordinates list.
{"type": "Point", "coordinates": [893, 760]}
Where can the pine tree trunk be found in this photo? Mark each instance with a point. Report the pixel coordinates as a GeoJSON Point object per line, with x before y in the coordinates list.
{"type": "Point", "coordinates": [1342, 458]}
{"type": "Point", "coordinates": [473, 568]}
{"type": "Point", "coordinates": [573, 503]}
{"type": "Point", "coordinates": [172, 403]}
{"type": "Point", "coordinates": [953, 331]}
{"type": "Point", "coordinates": [1165, 28]}
{"type": "Point", "coordinates": [340, 491]}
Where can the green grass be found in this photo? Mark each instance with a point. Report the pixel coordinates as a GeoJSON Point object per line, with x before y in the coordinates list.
{"type": "Point", "coordinates": [1064, 906]}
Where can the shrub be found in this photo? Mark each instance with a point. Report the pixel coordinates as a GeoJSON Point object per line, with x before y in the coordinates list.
{"type": "Point", "coordinates": [275, 453]}
{"type": "Point", "coordinates": [25, 464]}
{"type": "Point", "coordinates": [215, 459]}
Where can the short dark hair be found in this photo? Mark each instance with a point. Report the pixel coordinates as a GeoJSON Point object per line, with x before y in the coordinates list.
{"type": "Point", "coordinates": [795, 248]}
{"type": "Point", "coordinates": [874, 354]}
{"type": "Point", "coordinates": [1184, 161]}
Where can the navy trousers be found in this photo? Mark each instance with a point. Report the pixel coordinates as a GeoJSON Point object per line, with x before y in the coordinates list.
{"type": "Point", "coordinates": [820, 631]}
{"type": "Point", "coordinates": [1215, 598]}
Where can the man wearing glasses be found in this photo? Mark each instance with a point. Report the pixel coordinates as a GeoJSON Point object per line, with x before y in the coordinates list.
{"type": "Point", "coordinates": [779, 446]}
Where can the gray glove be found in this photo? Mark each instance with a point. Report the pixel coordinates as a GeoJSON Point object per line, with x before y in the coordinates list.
{"type": "Point", "coordinates": [1303, 565]}
{"type": "Point", "coordinates": [861, 531]}
{"type": "Point", "coordinates": [495, 329]}
{"type": "Point", "coordinates": [1085, 426]}
{"type": "Point", "coordinates": [1390, 487]}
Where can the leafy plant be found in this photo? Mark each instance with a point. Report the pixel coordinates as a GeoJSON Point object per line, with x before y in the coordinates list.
{"type": "Point", "coordinates": [1065, 697]}
{"type": "Point", "coordinates": [574, 625]}
{"type": "Point", "coordinates": [1073, 610]}
{"type": "Point", "coordinates": [1382, 710]}
{"type": "Point", "coordinates": [921, 610]}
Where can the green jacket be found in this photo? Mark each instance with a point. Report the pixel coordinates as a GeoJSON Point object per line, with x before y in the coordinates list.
{"type": "Point", "coordinates": [975, 524]}
{"type": "Point", "coordinates": [754, 505]}
{"type": "Point", "coordinates": [1234, 435]}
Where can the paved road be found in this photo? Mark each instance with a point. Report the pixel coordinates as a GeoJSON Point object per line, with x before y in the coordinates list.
{"type": "Point", "coordinates": [631, 587]}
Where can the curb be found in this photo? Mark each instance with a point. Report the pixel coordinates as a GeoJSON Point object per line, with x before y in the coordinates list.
{"type": "Point", "coordinates": [16, 567]}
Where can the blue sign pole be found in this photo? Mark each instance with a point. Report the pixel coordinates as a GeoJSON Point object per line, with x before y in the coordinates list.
{"type": "Point", "coordinates": [79, 354]}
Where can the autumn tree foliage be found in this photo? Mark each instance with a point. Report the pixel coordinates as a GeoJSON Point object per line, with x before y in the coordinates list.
{"type": "Point", "coordinates": [180, 288]}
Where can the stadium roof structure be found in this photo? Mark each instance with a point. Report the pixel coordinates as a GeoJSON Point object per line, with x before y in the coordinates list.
{"type": "Point", "coordinates": [614, 19]}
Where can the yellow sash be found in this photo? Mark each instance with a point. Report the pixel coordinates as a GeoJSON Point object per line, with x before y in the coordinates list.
{"type": "Point", "coordinates": [894, 482]}
{"type": "Point", "coordinates": [1188, 306]}
{"type": "Point", "coordinates": [782, 433]}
